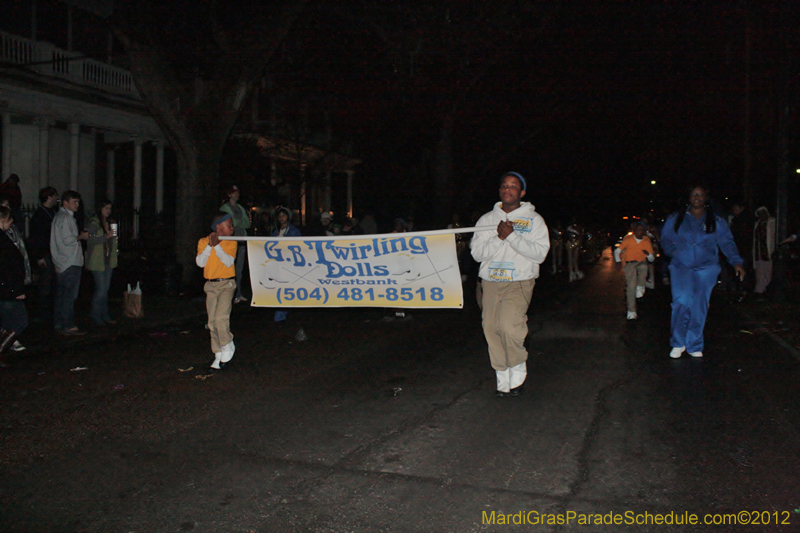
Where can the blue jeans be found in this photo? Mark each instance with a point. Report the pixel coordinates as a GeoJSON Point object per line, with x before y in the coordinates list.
{"type": "Point", "coordinates": [102, 281]}
{"type": "Point", "coordinates": [47, 287]}
{"type": "Point", "coordinates": [68, 283]}
{"type": "Point", "coordinates": [13, 315]}
{"type": "Point", "coordinates": [691, 291]}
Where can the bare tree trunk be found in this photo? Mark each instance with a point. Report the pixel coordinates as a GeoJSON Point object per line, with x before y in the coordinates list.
{"type": "Point", "coordinates": [197, 177]}
{"type": "Point", "coordinates": [198, 123]}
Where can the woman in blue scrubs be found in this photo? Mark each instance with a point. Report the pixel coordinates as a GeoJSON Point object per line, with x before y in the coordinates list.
{"type": "Point", "coordinates": [693, 238]}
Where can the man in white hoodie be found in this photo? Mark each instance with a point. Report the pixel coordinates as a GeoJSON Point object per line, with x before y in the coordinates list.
{"type": "Point", "coordinates": [510, 257]}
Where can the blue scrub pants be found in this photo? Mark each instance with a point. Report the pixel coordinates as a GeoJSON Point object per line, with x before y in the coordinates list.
{"type": "Point", "coordinates": [691, 291]}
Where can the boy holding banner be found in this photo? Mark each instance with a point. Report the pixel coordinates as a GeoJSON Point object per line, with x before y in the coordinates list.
{"type": "Point", "coordinates": [217, 258]}
{"type": "Point", "coordinates": [510, 257]}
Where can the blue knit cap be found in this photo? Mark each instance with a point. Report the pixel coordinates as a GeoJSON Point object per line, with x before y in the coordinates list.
{"type": "Point", "coordinates": [516, 175]}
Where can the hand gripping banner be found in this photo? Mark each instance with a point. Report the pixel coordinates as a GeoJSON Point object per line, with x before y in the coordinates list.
{"type": "Point", "coordinates": [413, 270]}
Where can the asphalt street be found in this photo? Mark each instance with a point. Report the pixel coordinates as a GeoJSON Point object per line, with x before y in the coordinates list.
{"type": "Point", "coordinates": [371, 426]}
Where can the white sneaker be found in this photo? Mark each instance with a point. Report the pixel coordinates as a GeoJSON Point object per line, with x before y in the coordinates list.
{"type": "Point", "coordinates": [632, 315]}
{"type": "Point", "coordinates": [227, 353]}
{"type": "Point", "coordinates": [676, 352]}
{"type": "Point", "coordinates": [639, 291]}
{"type": "Point", "coordinates": [579, 274]}
{"type": "Point", "coordinates": [696, 354]}
{"type": "Point", "coordinates": [17, 347]}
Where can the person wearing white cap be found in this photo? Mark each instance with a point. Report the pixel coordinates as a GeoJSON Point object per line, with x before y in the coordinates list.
{"type": "Point", "coordinates": [326, 219]}
{"type": "Point", "coordinates": [510, 257]}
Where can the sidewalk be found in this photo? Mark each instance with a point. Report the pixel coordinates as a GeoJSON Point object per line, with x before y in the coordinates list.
{"type": "Point", "coordinates": [162, 314]}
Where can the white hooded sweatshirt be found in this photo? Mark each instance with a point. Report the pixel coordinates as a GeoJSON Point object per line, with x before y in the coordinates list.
{"type": "Point", "coordinates": [516, 258]}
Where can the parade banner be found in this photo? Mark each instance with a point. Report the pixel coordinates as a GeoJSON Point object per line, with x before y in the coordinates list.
{"type": "Point", "coordinates": [412, 270]}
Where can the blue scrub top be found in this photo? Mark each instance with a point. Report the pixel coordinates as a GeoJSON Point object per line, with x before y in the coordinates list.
{"type": "Point", "coordinates": [692, 247]}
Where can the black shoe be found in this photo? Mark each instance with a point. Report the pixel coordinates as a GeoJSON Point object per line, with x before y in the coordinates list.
{"type": "Point", "coordinates": [501, 394]}
{"type": "Point", "coordinates": [223, 366]}
{"type": "Point", "coordinates": [516, 391]}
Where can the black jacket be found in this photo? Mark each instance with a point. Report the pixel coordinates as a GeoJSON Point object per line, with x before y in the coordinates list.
{"type": "Point", "coordinates": [12, 269]}
{"type": "Point", "coordinates": [39, 240]}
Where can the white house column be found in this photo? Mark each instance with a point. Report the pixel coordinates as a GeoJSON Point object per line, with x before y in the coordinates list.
{"type": "Point", "coordinates": [6, 145]}
{"type": "Point", "coordinates": [303, 194]}
{"type": "Point", "coordinates": [349, 192]}
{"type": "Point", "coordinates": [326, 193]}
{"type": "Point", "coordinates": [74, 162]}
{"type": "Point", "coordinates": [159, 176]}
{"type": "Point", "coordinates": [111, 171]}
{"type": "Point", "coordinates": [137, 184]}
{"type": "Point", "coordinates": [44, 152]}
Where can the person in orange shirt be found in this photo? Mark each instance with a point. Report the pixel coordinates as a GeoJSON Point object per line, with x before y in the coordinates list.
{"type": "Point", "coordinates": [634, 253]}
{"type": "Point", "coordinates": [217, 258]}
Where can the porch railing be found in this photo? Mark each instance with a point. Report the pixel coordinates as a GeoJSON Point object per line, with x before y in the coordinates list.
{"type": "Point", "coordinates": [49, 60]}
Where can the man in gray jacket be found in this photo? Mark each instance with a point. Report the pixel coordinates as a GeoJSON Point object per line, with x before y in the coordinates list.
{"type": "Point", "coordinates": [67, 252]}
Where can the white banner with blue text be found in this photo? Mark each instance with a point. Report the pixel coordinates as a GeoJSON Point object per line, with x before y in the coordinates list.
{"type": "Point", "coordinates": [414, 270]}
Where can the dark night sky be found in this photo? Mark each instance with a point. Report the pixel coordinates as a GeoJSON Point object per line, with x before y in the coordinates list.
{"type": "Point", "coordinates": [602, 99]}
{"type": "Point", "coordinates": [590, 100]}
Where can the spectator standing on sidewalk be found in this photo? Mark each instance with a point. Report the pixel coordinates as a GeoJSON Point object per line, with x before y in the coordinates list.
{"type": "Point", "coordinates": [67, 252]}
{"type": "Point", "coordinates": [635, 254]}
{"type": "Point", "coordinates": [11, 190]}
{"type": "Point", "coordinates": [692, 238]}
{"type": "Point", "coordinates": [13, 316]}
{"type": "Point", "coordinates": [763, 248]}
{"type": "Point", "coordinates": [39, 250]}
{"type": "Point", "coordinates": [101, 260]}
{"type": "Point", "coordinates": [217, 258]}
{"type": "Point", "coordinates": [285, 228]}
{"type": "Point", "coordinates": [510, 257]}
{"type": "Point", "coordinates": [13, 233]}
{"type": "Point", "coordinates": [241, 223]}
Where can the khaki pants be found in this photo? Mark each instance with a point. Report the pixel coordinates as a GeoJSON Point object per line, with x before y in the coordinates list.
{"type": "Point", "coordinates": [635, 276]}
{"type": "Point", "coordinates": [505, 321]}
{"type": "Point", "coordinates": [219, 300]}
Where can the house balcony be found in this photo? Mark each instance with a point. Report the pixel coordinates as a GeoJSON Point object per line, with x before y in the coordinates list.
{"type": "Point", "coordinates": [50, 61]}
